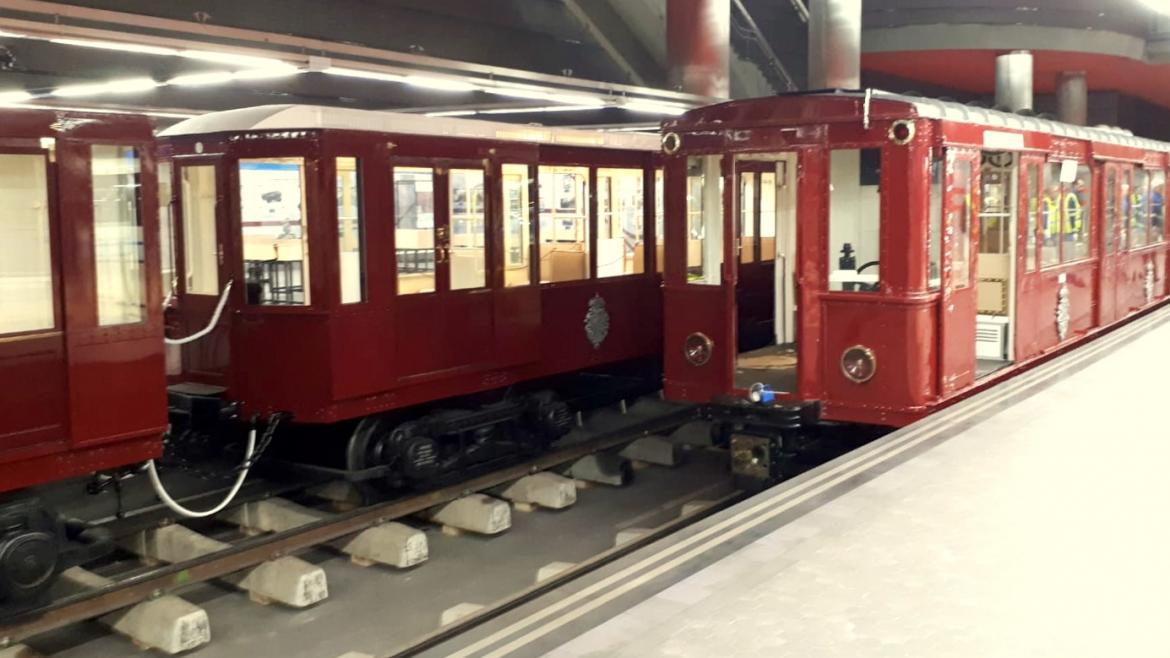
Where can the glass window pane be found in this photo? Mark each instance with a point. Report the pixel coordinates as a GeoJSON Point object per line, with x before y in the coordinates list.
{"type": "Point", "coordinates": [1050, 250]}
{"type": "Point", "coordinates": [934, 229]}
{"type": "Point", "coordinates": [659, 222]}
{"type": "Point", "coordinates": [26, 261]}
{"type": "Point", "coordinates": [272, 221]}
{"type": "Point", "coordinates": [200, 247]}
{"type": "Point", "coordinates": [166, 230]}
{"type": "Point", "coordinates": [961, 225]}
{"type": "Point", "coordinates": [768, 194]}
{"type": "Point", "coordinates": [620, 200]}
{"type": "Point", "coordinates": [414, 229]}
{"type": "Point", "coordinates": [117, 236]}
{"type": "Point", "coordinates": [996, 197]}
{"type": "Point", "coordinates": [350, 232]}
{"type": "Point", "coordinates": [1077, 200]}
{"type": "Point", "coordinates": [1033, 209]}
{"type": "Point", "coordinates": [517, 226]}
{"type": "Point", "coordinates": [1157, 206]}
{"type": "Point", "coordinates": [747, 217]}
{"type": "Point", "coordinates": [564, 223]}
{"type": "Point", "coordinates": [855, 220]}
{"type": "Point", "coordinates": [1110, 226]}
{"type": "Point", "coordinates": [704, 220]}
{"type": "Point", "coordinates": [468, 261]}
{"type": "Point", "coordinates": [1139, 220]}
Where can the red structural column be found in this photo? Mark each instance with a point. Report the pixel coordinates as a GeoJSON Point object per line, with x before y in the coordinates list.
{"type": "Point", "coordinates": [698, 44]}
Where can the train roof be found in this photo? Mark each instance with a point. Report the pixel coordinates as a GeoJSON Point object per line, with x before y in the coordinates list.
{"type": "Point", "coordinates": [929, 108]}
{"type": "Point", "coordinates": [314, 117]}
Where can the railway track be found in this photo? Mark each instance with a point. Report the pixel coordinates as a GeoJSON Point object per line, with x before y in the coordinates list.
{"type": "Point", "coordinates": [235, 558]}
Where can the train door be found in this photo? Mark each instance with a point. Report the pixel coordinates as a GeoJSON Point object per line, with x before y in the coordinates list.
{"type": "Point", "coordinates": [765, 282]}
{"type": "Point", "coordinates": [699, 282]}
{"type": "Point", "coordinates": [200, 227]}
{"type": "Point", "coordinates": [1029, 236]}
{"type": "Point", "coordinates": [1109, 308]}
{"type": "Point", "coordinates": [995, 267]}
{"type": "Point", "coordinates": [957, 322]}
{"type": "Point", "coordinates": [33, 386]}
{"type": "Point", "coordinates": [443, 309]}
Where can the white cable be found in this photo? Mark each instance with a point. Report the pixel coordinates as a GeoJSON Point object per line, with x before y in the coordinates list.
{"type": "Point", "coordinates": [183, 511]}
{"type": "Point", "coordinates": [223, 297]}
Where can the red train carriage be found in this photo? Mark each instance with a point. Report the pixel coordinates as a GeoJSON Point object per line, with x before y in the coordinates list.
{"type": "Point", "coordinates": [880, 256]}
{"type": "Point", "coordinates": [378, 261]}
{"type": "Point", "coordinates": [82, 385]}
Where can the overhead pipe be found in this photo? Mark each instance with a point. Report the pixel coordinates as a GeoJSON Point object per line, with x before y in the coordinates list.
{"type": "Point", "coordinates": [834, 44]}
{"type": "Point", "coordinates": [1072, 98]}
{"type": "Point", "coordinates": [1013, 81]}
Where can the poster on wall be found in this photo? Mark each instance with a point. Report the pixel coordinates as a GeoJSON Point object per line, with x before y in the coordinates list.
{"type": "Point", "coordinates": [270, 200]}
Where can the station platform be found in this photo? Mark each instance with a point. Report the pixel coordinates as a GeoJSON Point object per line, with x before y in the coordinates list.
{"type": "Point", "coordinates": [1032, 519]}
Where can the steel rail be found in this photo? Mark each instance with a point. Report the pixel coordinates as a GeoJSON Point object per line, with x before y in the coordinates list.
{"type": "Point", "coordinates": [251, 552]}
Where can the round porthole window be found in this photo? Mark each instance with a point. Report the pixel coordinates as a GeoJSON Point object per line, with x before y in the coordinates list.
{"type": "Point", "coordinates": [697, 349]}
{"type": "Point", "coordinates": [902, 132]}
{"type": "Point", "coordinates": [858, 364]}
{"type": "Point", "coordinates": [671, 143]}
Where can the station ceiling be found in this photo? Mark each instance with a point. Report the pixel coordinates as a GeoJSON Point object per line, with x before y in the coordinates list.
{"type": "Point", "coordinates": [566, 62]}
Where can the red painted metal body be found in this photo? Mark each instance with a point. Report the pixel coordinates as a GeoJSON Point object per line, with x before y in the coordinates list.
{"type": "Point", "coordinates": [922, 332]}
{"type": "Point", "coordinates": [80, 397]}
{"type": "Point", "coordinates": [328, 362]}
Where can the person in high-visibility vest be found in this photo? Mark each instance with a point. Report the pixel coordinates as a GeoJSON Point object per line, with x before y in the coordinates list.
{"type": "Point", "coordinates": [1051, 215]}
{"type": "Point", "coordinates": [1074, 206]}
{"type": "Point", "coordinates": [1157, 207]}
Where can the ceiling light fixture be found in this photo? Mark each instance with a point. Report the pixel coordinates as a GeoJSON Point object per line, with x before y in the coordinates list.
{"type": "Point", "coordinates": [201, 79]}
{"type": "Point", "coordinates": [551, 96]}
{"type": "Point", "coordinates": [120, 47]}
{"type": "Point", "coordinates": [453, 113]}
{"type": "Point", "coordinates": [233, 59]}
{"type": "Point", "coordinates": [105, 110]}
{"type": "Point", "coordinates": [439, 84]}
{"type": "Point", "coordinates": [650, 107]}
{"type": "Point", "coordinates": [546, 108]}
{"type": "Point", "coordinates": [265, 73]}
{"type": "Point", "coordinates": [361, 73]}
{"type": "Point", "coordinates": [126, 86]}
{"type": "Point", "coordinates": [12, 35]}
{"type": "Point", "coordinates": [13, 97]}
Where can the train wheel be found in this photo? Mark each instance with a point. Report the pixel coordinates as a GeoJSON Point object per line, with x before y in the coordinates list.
{"type": "Point", "coordinates": [368, 447]}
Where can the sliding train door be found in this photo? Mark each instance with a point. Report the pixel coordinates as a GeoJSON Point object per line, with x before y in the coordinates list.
{"type": "Point", "coordinates": [958, 312]}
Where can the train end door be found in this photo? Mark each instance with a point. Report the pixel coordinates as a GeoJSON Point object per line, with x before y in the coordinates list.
{"type": "Point", "coordinates": [699, 287]}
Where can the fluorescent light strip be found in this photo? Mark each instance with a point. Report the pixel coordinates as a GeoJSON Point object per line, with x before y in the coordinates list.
{"type": "Point", "coordinates": [367, 75]}
{"type": "Point", "coordinates": [126, 86]}
{"type": "Point", "coordinates": [201, 79]}
{"type": "Point", "coordinates": [242, 61]}
{"type": "Point", "coordinates": [265, 73]}
{"type": "Point", "coordinates": [547, 108]}
{"type": "Point", "coordinates": [13, 97]}
{"type": "Point", "coordinates": [13, 35]}
{"type": "Point", "coordinates": [453, 113]}
{"type": "Point", "coordinates": [550, 96]}
{"type": "Point", "coordinates": [120, 47]}
{"type": "Point", "coordinates": [102, 110]}
{"type": "Point", "coordinates": [654, 108]}
{"type": "Point", "coordinates": [439, 84]}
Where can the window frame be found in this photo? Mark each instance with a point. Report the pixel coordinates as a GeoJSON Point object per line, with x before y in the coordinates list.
{"type": "Point", "coordinates": [314, 276]}
{"type": "Point", "coordinates": [363, 246]}
{"type": "Point", "coordinates": [826, 285]}
{"type": "Point", "coordinates": [55, 252]}
{"type": "Point", "coordinates": [1088, 210]}
{"type": "Point", "coordinates": [146, 175]}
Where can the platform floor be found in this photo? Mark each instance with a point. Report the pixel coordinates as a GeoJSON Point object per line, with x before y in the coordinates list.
{"type": "Point", "coordinates": [1030, 520]}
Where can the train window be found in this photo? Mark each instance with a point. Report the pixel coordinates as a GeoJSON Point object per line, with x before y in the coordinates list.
{"type": "Point", "coordinates": [768, 216]}
{"type": "Point", "coordinates": [934, 228]}
{"type": "Point", "coordinates": [659, 221]}
{"type": "Point", "coordinates": [468, 235]}
{"type": "Point", "coordinates": [272, 225]}
{"type": "Point", "coordinates": [26, 261]}
{"type": "Point", "coordinates": [1050, 216]}
{"type": "Point", "coordinates": [704, 220]}
{"type": "Point", "coordinates": [166, 230]}
{"type": "Point", "coordinates": [563, 194]}
{"type": "Point", "coordinates": [517, 226]}
{"type": "Point", "coordinates": [1157, 206]}
{"type": "Point", "coordinates": [1077, 203]}
{"type": "Point", "coordinates": [200, 246]}
{"type": "Point", "coordinates": [620, 213]}
{"type": "Point", "coordinates": [855, 220]}
{"type": "Point", "coordinates": [117, 235]}
{"type": "Point", "coordinates": [1110, 221]}
{"type": "Point", "coordinates": [1032, 198]}
{"type": "Point", "coordinates": [961, 252]}
{"type": "Point", "coordinates": [1139, 220]}
{"type": "Point", "coordinates": [414, 229]}
{"type": "Point", "coordinates": [747, 216]}
{"type": "Point", "coordinates": [350, 232]}
{"type": "Point", "coordinates": [996, 197]}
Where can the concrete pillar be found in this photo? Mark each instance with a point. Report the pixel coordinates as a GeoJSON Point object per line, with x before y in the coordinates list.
{"type": "Point", "coordinates": [1013, 81]}
{"type": "Point", "coordinates": [1072, 98]}
{"type": "Point", "coordinates": [834, 44]}
{"type": "Point", "coordinates": [698, 46]}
